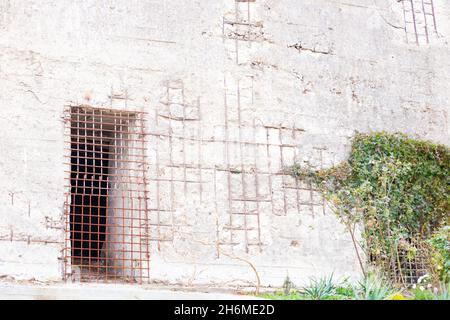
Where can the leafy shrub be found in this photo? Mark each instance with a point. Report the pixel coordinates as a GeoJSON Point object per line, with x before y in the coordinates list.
{"type": "Point", "coordinates": [440, 243]}
{"type": "Point", "coordinates": [397, 187]}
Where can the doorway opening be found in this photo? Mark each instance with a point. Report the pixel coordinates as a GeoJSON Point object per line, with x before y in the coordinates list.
{"type": "Point", "coordinates": [106, 202]}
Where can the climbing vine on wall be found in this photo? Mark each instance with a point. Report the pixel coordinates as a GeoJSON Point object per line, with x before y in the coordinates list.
{"type": "Point", "coordinates": [398, 188]}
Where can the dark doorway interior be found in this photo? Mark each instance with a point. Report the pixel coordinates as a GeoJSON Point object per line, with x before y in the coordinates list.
{"type": "Point", "coordinates": [89, 199]}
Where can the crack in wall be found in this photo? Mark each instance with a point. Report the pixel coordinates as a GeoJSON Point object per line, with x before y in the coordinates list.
{"type": "Point", "coordinates": [299, 47]}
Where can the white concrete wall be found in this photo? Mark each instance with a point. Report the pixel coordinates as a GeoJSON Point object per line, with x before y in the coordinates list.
{"type": "Point", "coordinates": [229, 87]}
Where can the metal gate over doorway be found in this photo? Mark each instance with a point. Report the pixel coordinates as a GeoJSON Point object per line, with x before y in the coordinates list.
{"type": "Point", "coordinates": [106, 200]}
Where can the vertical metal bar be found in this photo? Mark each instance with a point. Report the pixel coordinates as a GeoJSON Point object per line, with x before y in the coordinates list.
{"type": "Point", "coordinates": [269, 166]}
{"type": "Point", "coordinates": [425, 21]}
{"type": "Point", "coordinates": [404, 19]}
{"type": "Point", "coordinates": [294, 137]}
{"type": "Point", "coordinates": [257, 196]}
{"type": "Point", "coordinates": [414, 21]}
{"type": "Point", "coordinates": [124, 181]}
{"type": "Point", "coordinates": [200, 142]}
{"type": "Point", "coordinates": [434, 16]}
{"type": "Point", "coordinates": [100, 186]}
{"type": "Point", "coordinates": [94, 156]}
{"type": "Point", "coordinates": [235, 26]}
{"type": "Point", "coordinates": [84, 208]}
{"type": "Point", "coordinates": [172, 186]}
{"type": "Point", "coordinates": [144, 180]}
{"type": "Point", "coordinates": [184, 141]}
{"type": "Point", "coordinates": [241, 152]}
{"type": "Point", "coordinates": [283, 182]}
{"type": "Point", "coordinates": [227, 156]}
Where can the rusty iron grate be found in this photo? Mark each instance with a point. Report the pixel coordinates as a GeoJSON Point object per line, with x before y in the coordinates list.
{"type": "Point", "coordinates": [420, 21]}
{"type": "Point", "coordinates": [411, 264]}
{"type": "Point", "coordinates": [106, 202]}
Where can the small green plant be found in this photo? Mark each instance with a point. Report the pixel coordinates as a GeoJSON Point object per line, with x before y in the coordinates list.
{"type": "Point", "coordinates": [423, 294]}
{"type": "Point", "coordinates": [373, 287]}
{"type": "Point", "coordinates": [444, 292]}
{"type": "Point", "coordinates": [345, 290]}
{"type": "Point", "coordinates": [320, 289]}
{"type": "Point", "coordinates": [288, 286]}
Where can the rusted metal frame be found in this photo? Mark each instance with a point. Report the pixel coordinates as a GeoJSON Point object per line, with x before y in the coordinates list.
{"type": "Point", "coordinates": [294, 138]}
{"type": "Point", "coordinates": [227, 157]}
{"type": "Point", "coordinates": [104, 158]}
{"type": "Point", "coordinates": [425, 21]}
{"type": "Point", "coordinates": [101, 188]}
{"type": "Point", "coordinates": [269, 166]}
{"type": "Point", "coordinates": [90, 204]}
{"type": "Point", "coordinates": [283, 182]}
{"type": "Point", "coordinates": [233, 170]}
{"type": "Point", "coordinates": [125, 178]}
{"type": "Point", "coordinates": [255, 166]}
{"type": "Point", "coordinates": [238, 228]}
{"type": "Point", "coordinates": [93, 128]}
{"type": "Point", "coordinates": [200, 143]}
{"type": "Point", "coordinates": [414, 21]}
{"type": "Point", "coordinates": [241, 152]}
{"type": "Point", "coordinates": [110, 233]}
{"type": "Point", "coordinates": [172, 178]}
{"type": "Point", "coordinates": [131, 201]}
{"type": "Point", "coordinates": [157, 165]}
{"type": "Point", "coordinates": [82, 210]}
{"type": "Point", "coordinates": [91, 180]}
{"type": "Point", "coordinates": [86, 142]}
{"type": "Point", "coordinates": [123, 197]}
{"type": "Point", "coordinates": [108, 113]}
{"type": "Point", "coordinates": [108, 167]}
{"type": "Point", "coordinates": [184, 141]}
{"type": "Point", "coordinates": [250, 143]}
{"type": "Point", "coordinates": [140, 218]}
{"type": "Point", "coordinates": [216, 211]}
{"type": "Point", "coordinates": [123, 161]}
{"type": "Point", "coordinates": [89, 137]}
{"type": "Point", "coordinates": [433, 14]}
{"type": "Point", "coordinates": [246, 213]}
{"type": "Point", "coordinates": [99, 185]}
{"type": "Point", "coordinates": [323, 196]}
{"type": "Point", "coordinates": [236, 42]}
{"type": "Point", "coordinates": [146, 228]}
{"type": "Point", "coordinates": [119, 242]}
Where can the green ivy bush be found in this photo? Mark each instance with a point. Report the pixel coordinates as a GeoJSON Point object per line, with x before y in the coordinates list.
{"type": "Point", "coordinates": [397, 187]}
{"type": "Point", "coordinates": [440, 244]}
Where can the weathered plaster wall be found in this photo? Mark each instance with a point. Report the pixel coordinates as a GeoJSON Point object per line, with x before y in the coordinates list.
{"type": "Point", "coordinates": [234, 92]}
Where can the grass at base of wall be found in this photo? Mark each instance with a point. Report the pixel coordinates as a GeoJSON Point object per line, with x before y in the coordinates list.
{"type": "Point", "coordinates": [372, 287]}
